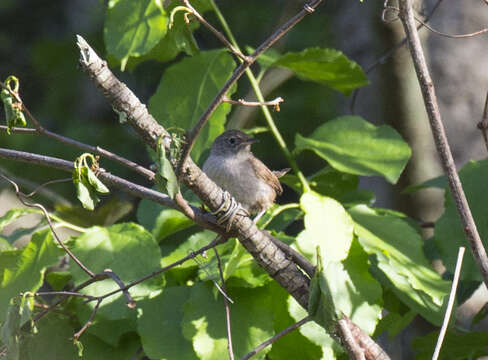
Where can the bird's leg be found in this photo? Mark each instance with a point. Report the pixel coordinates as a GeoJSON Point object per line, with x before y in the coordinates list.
{"type": "Point", "coordinates": [258, 216]}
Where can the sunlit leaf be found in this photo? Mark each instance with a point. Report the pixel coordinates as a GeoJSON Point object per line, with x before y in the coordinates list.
{"type": "Point", "coordinates": [329, 67]}
{"type": "Point", "coordinates": [352, 145]}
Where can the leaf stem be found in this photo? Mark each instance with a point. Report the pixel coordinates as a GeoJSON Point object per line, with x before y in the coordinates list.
{"type": "Point", "coordinates": [259, 95]}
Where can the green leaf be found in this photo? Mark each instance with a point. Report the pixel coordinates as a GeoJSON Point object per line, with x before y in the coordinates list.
{"type": "Point", "coordinates": [456, 345]}
{"type": "Point", "coordinates": [96, 183]}
{"type": "Point", "coordinates": [166, 172]}
{"type": "Point", "coordinates": [352, 145]}
{"type": "Point", "coordinates": [12, 215]}
{"type": "Point", "coordinates": [23, 270]}
{"type": "Point", "coordinates": [346, 288]}
{"type": "Point", "coordinates": [314, 332]}
{"type": "Point", "coordinates": [328, 182]}
{"type": "Point", "coordinates": [449, 234]}
{"type": "Point", "coordinates": [294, 345]}
{"type": "Point", "coordinates": [130, 252]}
{"type": "Point", "coordinates": [170, 222]}
{"type": "Point", "coordinates": [325, 66]}
{"type": "Point", "coordinates": [321, 213]}
{"type": "Point", "coordinates": [398, 249]}
{"type": "Point", "coordinates": [185, 91]}
{"type": "Point", "coordinates": [134, 27]}
{"type": "Point", "coordinates": [159, 324]}
{"type": "Point", "coordinates": [204, 321]}
{"type": "Point", "coordinates": [86, 195]}
{"type": "Point", "coordinates": [96, 349]}
{"type": "Point", "coordinates": [53, 341]}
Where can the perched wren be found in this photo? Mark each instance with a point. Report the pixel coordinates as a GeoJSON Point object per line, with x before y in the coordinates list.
{"type": "Point", "coordinates": [233, 167]}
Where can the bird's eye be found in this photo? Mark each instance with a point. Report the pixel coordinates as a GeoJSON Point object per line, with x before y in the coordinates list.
{"type": "Point", "coordinates": [232, 141]}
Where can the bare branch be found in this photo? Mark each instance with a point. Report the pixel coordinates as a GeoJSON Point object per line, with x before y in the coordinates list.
{"type": "Point", "coordinates": [450, 303]}
{"type": "Point", "coordinates": [276, 337]}
{"type": "Point", "coordinates": [483, 124]}
{"type": "Point", "coordinates": [278, 34]}
{"type": "Point", "coordinates": [23, 199]}
{"type": "Point", "coordinates": [275, 102]}
{"type": "Point", "coordinates": [381, 60]}
{"type": "Point", "coordinates": [227, 308]}
{"type": "Point", "coordinates": [128, 298]}
{"type": "Point", "coordinates": [202, 218]}
{"type": "Point", "coordinates": [89, 322]}
{"type": "Point", "coordinates": [148, 174]}
{"type": "Point", "coordinates": [217, 33]}
{"type": "Point", "coordinates": [428, 92]}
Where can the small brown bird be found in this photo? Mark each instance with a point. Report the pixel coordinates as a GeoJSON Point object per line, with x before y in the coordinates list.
{"type": "Point", "coordinates": [233, 167]}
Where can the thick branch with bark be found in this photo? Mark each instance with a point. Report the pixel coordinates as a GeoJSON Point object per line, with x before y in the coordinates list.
{"type": "Point", "coordinates": [260, 244]}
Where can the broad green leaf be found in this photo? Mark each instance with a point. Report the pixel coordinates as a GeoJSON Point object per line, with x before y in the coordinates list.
{"type": "Point", "coordinates": [347, 288]}
{"type": "Point", "coordinates": [241, 270]}
{"type": "Point", "coordinates": [327, 225]}
{"type": "Point", "coordinates": [456, 345]}
{"type": "Point", "coordinates": [23, 270]}
{"type": "Point", "coordinates": [169, 222]}
{"type": "Point", "coordinates": [204, 321]}
{"type": "Point", "coordinates": [354, 291]}
{"type": "Point", "coordinates": [11, 336]}
{"type": "Point", "coordinates": [12, 215]}
{"type": "Point", "coordinates": [352, 145]}
{"type": "Point", "coordinates": [134, 27]}
{"type": "Point", "coordinates": [96, 349]}
{"type": "Point", "coordinates": [130, 252]}
{"type": "Point", "coordinates": [161, 221]}
{"type": "Point", "coordinates": [401, 261]}
{"type": "Point", "coordinates": [294, 345]}
{"type": "Point", "coordinates": [314, 332]}
{"type": "Point", "coordinates": [159, 324]}
{"type": "Point", "coordinates": [53, 341]}
{"type": "Point", "coordinates": [328, 182]}
{"type": "Point", "coordinates": [326, 66]}
{"type": "Point", "coordinates": [185, 91]}
{"type": "Point", "coordinates": [449, 234]}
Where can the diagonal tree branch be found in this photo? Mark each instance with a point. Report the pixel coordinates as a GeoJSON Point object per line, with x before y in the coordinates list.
{"type": "Point", "coordinates": [406, 16]}
{"type": "Point", "coordinates": [260, 244]}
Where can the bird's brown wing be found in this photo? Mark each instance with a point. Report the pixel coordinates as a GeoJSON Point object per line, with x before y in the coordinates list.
{"type": "Point", "coordinates": [266, 174]}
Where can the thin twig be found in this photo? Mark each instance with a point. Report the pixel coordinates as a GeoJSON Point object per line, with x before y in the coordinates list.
{"type": "Point", "coordinates": [128, 298]}
{"type": "Point", "coordinates": [61, 293]}
{"type": "Point", "coordinates": [440, 139]}
{"type": "Point", "coordinates": [217, 241]}
{"type": "Point", "coordinates": [89, 322]}
{"type": "Point", "coordinates": [450, 303]}
{"type": "Point", "coordinates": [22, 198]}
{"type": "Point", "coordinates": [382, 59]}
{"type": "Point", "coordinates": [278, 34]}
{"type": "Point", "coordinates": [452, 36]}
{"type": "Point", "coordinates": [275, 102]}
{"type": "Point", "coordinates": [217, 33]}
{"type": "Point", "coordinates": [200, 217]}
{"type": "Point", "coordinates": [230, 348]}
{"type": "Point", "coordinates": [148, 174]}
{"type": "Point", "coordinates": [276, 337]}
{"type": "Point", "coordinates": [483, 124]}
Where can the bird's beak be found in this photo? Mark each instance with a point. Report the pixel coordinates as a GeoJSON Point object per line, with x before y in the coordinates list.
{"type": "Point", "coordinates": [250, 141]}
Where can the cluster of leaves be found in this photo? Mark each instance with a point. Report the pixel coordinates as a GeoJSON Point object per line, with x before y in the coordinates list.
{"type": "Point", "coordinates": [370, 259]}
{"type": "Point", "coordinates": [13, 111]}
